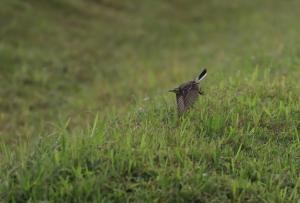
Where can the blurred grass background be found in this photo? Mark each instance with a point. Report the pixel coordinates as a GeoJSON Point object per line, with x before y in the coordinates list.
{"type": "Point", "coordinates": [70, 59]}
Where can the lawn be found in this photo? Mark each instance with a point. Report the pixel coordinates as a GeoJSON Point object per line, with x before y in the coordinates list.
{"type": "Point", "coordinates": [86, 116]}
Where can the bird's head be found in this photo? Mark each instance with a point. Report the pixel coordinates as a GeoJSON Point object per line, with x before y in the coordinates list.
{"type": "Point", "coordinates": [175, 90]}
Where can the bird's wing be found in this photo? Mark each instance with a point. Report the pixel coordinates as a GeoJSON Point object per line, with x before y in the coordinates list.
{"type": "Point", "coordinates": [201, 76]}
{"type": "Point", "coordinates": [180, 104]}
{"type": "Point", "coordinates": [191, 96]}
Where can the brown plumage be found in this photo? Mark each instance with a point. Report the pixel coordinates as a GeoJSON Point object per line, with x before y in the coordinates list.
{"type": "Point", "coordinates": [188, 93]}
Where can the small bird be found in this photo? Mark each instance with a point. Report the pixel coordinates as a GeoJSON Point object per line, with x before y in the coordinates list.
{"type": "Point", "coordinates": [187, 93]}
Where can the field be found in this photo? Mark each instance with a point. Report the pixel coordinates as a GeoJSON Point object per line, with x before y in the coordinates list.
{"type": "Point", "coordinates": [86, 116]}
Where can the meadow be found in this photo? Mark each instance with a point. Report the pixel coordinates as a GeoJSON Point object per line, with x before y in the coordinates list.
{"type": "Point", "coordinates": [86, 116]}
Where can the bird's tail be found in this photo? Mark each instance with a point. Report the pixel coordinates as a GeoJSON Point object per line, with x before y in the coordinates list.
{"type": "Point", "coordinates": [201, 76]}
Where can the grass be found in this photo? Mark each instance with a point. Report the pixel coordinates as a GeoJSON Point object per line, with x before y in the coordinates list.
{"type": "Point", "coordinates": [86, 117]}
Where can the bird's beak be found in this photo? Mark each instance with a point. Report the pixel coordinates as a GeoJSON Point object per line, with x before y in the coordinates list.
{"type": "Point", "coordinates": [173, 90]}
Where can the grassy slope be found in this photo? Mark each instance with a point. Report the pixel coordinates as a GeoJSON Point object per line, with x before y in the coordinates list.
{"type": "Point", "coordinates": [72, 59]}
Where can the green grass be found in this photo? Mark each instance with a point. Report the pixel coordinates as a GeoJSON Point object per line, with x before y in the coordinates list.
{"type": "Point", "coordinates": [85, 115]}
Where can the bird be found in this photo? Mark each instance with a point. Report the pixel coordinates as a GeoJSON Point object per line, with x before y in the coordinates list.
{"type": "Point", "coordinates": [187, 93]}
